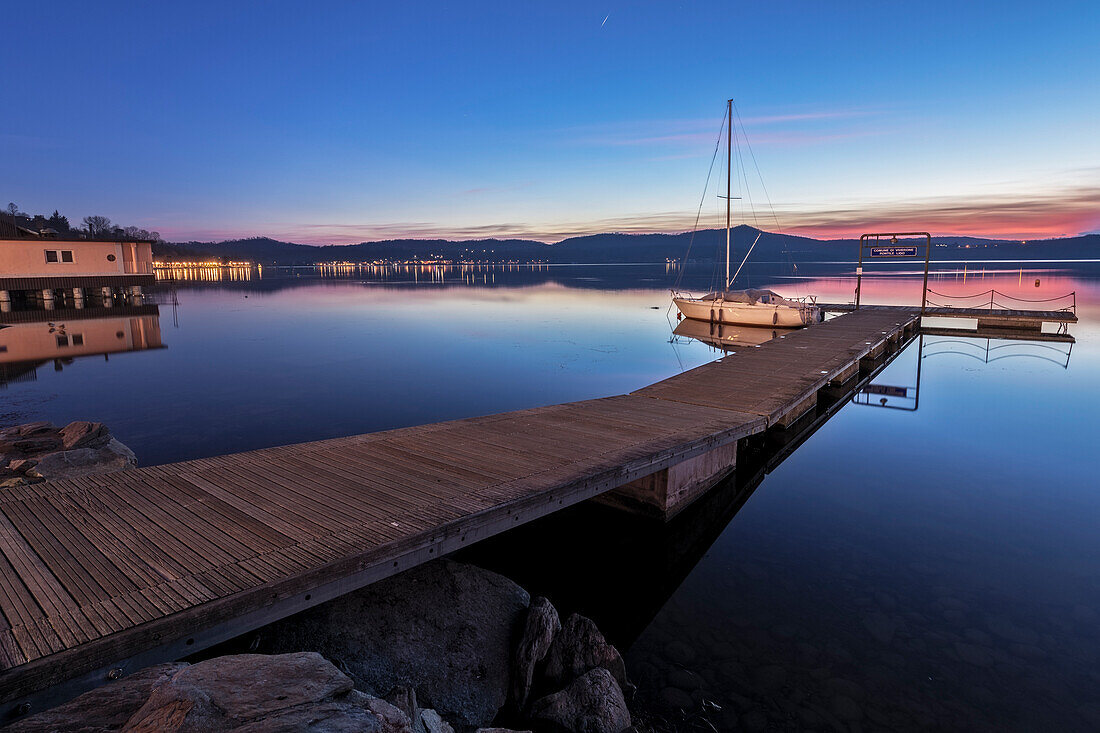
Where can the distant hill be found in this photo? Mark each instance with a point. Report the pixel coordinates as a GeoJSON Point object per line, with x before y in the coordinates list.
{"type": "Point", "coordinates": [708, 245]}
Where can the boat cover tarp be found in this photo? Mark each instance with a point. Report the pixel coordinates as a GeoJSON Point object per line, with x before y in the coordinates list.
{"type": "Point", "coordinates": [751, 296]}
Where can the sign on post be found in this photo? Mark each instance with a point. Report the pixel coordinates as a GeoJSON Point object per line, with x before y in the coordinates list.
{"type": "Point", "coordinates": [893, 251]}
{"type": "Point", "coordinates": [870, 243]}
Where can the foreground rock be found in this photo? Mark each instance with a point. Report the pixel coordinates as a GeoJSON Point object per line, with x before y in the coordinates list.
{"type": "Point", "coordinates": [246, 692]}
{"type": "Point", "coordinates": [592, 703]}
{"type": "Point", "coordinates": [539, 630]}
{"type": "Point", "coordinates": [578, 648]}
{"type": "Point", "coordinates": [105, 708]}
{"type": "Point", "coordinates": [41, 451]}
{"type": "Point", "coordinates": [446, 630]}
{"type": "Point", "coordinates": [451, 647]}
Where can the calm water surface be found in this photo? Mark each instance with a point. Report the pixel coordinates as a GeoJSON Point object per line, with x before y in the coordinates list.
{"type": "Point", "coordinates": [932, 569]}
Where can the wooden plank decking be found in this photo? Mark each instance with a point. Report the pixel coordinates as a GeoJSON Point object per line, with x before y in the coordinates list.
{"type": "Point", "coordinates": [102, 575]}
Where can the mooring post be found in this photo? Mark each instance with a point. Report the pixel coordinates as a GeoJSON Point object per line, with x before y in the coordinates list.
{"type": "Point", "coordinates": [927, 260]}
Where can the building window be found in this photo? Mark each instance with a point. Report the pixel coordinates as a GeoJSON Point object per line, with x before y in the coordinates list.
{"type": "Point", "coordinates": [110, 258]}
{"type": "Point", "coordinates": [51, 255]}
{"type": "Point", "coordinates": [66, 255]}
{"type": "Point", "coordinates": [62, 340]}
{"type": "Point", "coordinates": [78, 339]}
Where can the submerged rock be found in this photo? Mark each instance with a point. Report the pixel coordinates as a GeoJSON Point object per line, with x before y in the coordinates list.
{"type": "Point", "coordinates": [112, 456]}
{"type": "Point", "coordinates": [445, 629]}
{"type": "Point", "coordinates": [593, 703]}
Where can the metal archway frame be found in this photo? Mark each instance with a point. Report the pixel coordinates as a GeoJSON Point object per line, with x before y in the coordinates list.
{"type": "Point", "coordinates": [893, 236]}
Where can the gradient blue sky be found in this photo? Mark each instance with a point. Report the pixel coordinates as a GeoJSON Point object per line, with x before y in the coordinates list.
{"type": "Point", "coordinates": [340, 122]}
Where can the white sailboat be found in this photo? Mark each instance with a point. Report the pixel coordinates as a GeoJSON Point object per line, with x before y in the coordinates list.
{"type": "Point", "coordinates": [751, 307]}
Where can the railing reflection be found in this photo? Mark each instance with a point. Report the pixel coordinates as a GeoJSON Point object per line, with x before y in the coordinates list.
{"type": "Point", "coordinates": [988, 353]}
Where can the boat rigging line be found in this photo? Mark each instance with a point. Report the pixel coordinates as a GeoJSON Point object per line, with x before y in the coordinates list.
{"type": "Point", "coordinates": [702, 200]}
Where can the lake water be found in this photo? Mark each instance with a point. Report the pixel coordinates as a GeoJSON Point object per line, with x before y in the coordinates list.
{"type": "Point", "coordinates": [927, 568]}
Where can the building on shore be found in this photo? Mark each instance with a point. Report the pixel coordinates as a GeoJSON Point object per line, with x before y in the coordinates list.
{"type": "Point", "coordinates": [42, 267]}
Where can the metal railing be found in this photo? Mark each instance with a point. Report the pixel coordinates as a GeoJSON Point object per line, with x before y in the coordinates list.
{"type": "Point", "coordinates": [994, 299]}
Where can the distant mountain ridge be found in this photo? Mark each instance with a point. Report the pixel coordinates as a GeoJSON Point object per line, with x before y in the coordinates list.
{"type": "Point", "coordinates": [708, 245]}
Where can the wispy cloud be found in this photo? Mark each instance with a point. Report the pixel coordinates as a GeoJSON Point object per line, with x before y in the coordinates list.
{"type": "Point", "coordinates": [792, 128]}
{"type": "Point", "coordinates": [481, 190]}
{"type": "Point", "coordinates": [1069, 211]}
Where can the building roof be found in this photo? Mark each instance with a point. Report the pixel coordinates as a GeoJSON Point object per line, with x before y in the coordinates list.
{"type": "Point", "coordinates": [10, 229]}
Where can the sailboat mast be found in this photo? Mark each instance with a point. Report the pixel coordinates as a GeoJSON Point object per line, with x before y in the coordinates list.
{"type": "Point", "coordinates": [729, 175]}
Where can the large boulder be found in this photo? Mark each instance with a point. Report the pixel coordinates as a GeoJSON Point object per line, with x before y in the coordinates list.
{"type": "Point", "coordinates": [111, 456]}
{"type": "Point", "coordinates": [445, 629]}
{"type": "Point", "coordinates": [592, 703]}
{"type": "Point", "coordinates": [541, 626]}
{"type": "Point", "coordinates": [247, 693]}
{"type": "Point", "coordinates": [578, 648]}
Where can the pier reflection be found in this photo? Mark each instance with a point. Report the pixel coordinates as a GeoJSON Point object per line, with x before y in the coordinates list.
{"type": "Point", "coordinates": [649, 586]}
{"type": "Point", "coordinates": [30, 339]}
{"type": "Point", "coordinates": [626, 569]}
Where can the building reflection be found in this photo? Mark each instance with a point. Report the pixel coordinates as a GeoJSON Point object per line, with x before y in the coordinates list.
{"type": "Point", "coordinates": [31, 339]}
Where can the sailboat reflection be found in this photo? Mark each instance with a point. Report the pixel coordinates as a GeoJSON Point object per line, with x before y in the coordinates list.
{"type": "Point", "coordinates": [29, 339]}
{"type": "Point", "coordinates": [725, 337]}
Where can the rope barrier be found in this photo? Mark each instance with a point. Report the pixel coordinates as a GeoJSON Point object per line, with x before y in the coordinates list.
{"type": "Point", "coordinates": [993, 295]}
{"type": "Point", "coordinates": [1004, 295]}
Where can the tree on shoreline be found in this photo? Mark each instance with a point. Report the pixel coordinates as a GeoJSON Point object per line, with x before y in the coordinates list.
{"type": "Point", "coordinates": [95, 226]}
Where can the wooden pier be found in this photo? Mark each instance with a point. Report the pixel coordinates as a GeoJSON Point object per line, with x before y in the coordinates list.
{"type": "Point", "coordinates": [102, 575]}
{"type": "Point", "coordinates": [1003, 318]}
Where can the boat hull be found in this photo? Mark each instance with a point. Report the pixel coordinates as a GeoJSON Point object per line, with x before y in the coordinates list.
{"type": "Point", "coordinates": [744, 314]}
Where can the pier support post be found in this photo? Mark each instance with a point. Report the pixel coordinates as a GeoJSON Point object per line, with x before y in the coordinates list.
{"type": "Point", "coordinates": [665, 493]}
{"type": "Point", "coordinates": [78, 297]}
{"type": "Point", "coordinates": [47, 299]}
{"type": "Point", "coordinates": [5, 301]}
{"type": "Point", "coordinates": [108, 299]}
{"type": "Point", "coordinates": [135, 294]}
